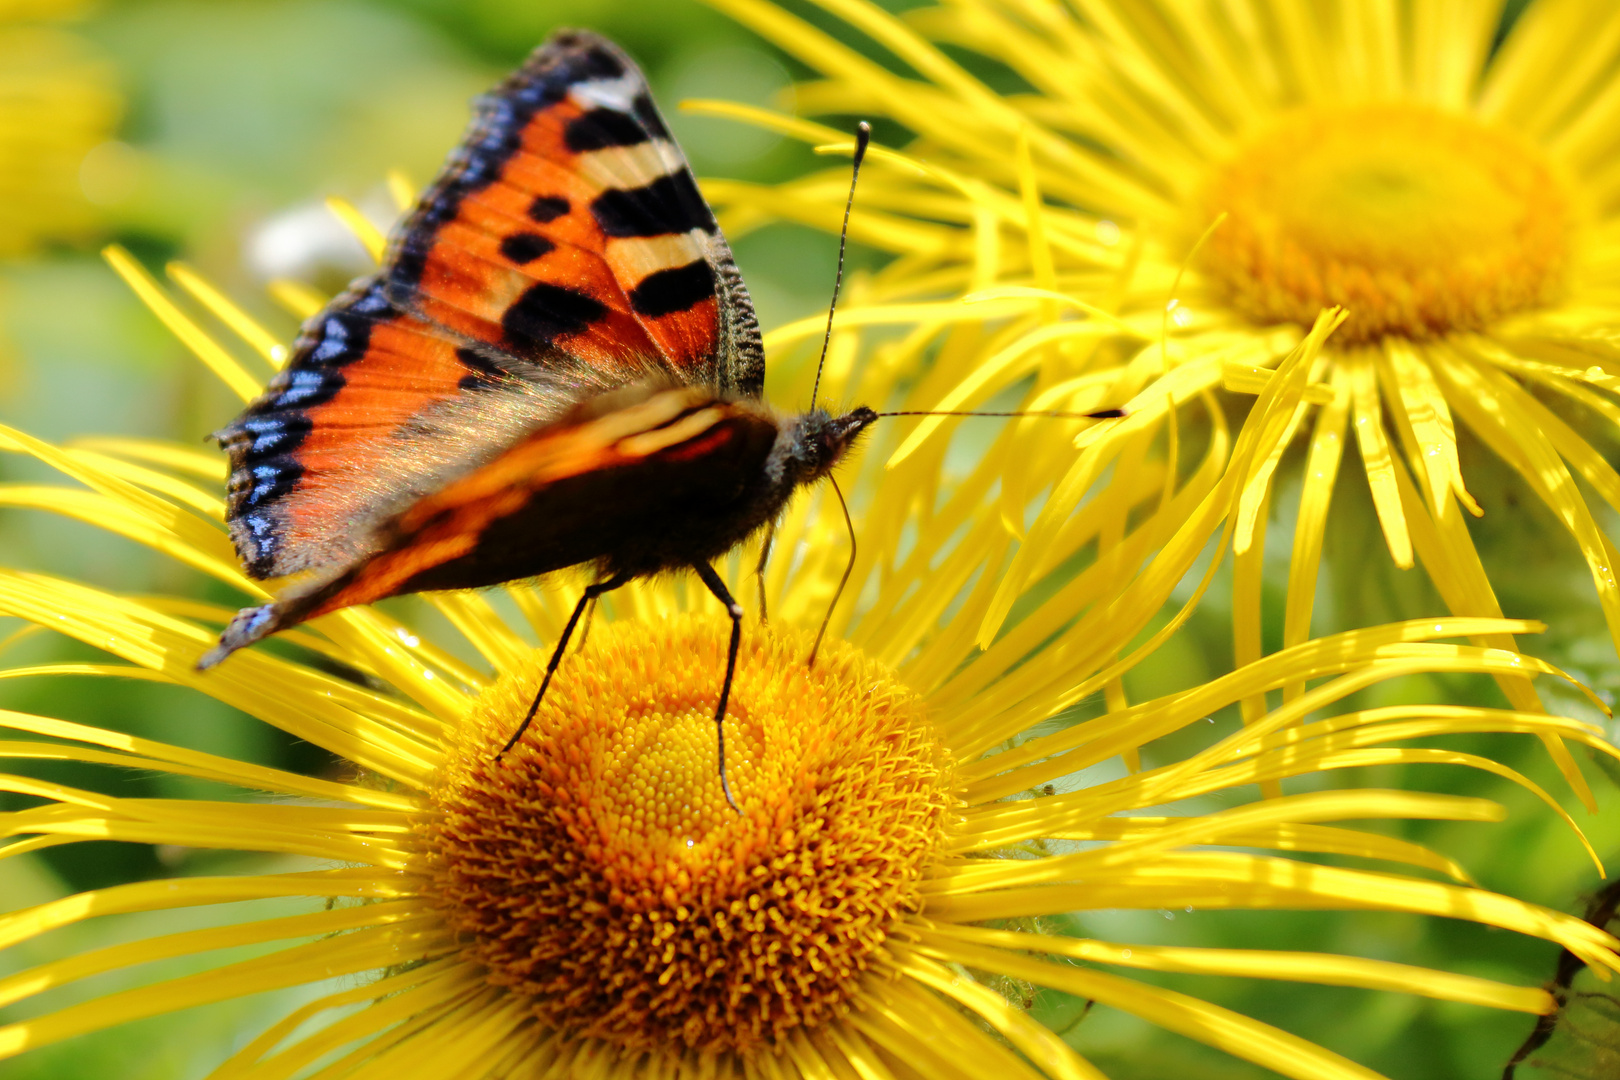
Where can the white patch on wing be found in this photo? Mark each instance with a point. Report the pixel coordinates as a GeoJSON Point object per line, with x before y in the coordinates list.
{"type": "Point", "coordinates": [617, 93]}
{"type": "Point", "coordinates": [627, 167]}
{"type": "Point", "coordinates": [632, 258]}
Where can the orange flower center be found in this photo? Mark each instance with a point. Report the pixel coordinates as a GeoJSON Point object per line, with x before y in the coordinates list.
{"type": "Point", "coordinates": [1416, 221]}
{"type": "Point", "coordinates": [598, 870]}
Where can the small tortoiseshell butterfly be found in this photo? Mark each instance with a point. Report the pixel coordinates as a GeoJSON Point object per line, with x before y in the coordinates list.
{"type": "Point", "coordinates": [556, 364]}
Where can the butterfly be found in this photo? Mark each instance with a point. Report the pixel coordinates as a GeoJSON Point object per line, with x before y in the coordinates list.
{"type": "Point", "coordinates": [556, 364]}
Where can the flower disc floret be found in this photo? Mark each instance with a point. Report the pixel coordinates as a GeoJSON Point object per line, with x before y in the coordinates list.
{"type": "Point", "coordinates": [598, 870]}
{"type": "Point", "coordinates": [1418, 222]}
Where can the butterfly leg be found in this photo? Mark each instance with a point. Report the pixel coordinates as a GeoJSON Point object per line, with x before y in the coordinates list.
{"type": "Point", "coordinates": [759, 571]}
{"type": "Point", "coordinates": [722, 594]}
{"type": "Point", "coordinates": [585, 631]}
{"type": "Point", "coordinates": [591, 593]}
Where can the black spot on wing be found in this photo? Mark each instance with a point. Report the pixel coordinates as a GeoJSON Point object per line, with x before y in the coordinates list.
{"type": "Point", "coordinates": [671, 204]}
{"type": "Point", "coordinates": [524, 248]}
{"type": "Point", "coordinates": [251, 490]}
{"type": "Point", "coordinates": [258, 541]}
{"type": "Point", "coordinates": [548, 208]}
{"type": "Point", "coordinates": [267, 480]}
{"type": "Point", "coordinates": [270, 434]}
{"type": "Point", "coordinates": [676, 289]}
{"type": "Point", "coordinates": [341, 339]}
{"type": "Point", "coordinates": [596, 60]}
{"type": "Point", "coordinates": [263, 454]}
{"type": "Point", "coordinates": [546, 312]}
{"type": "Point", "coordinates": [602, 128]}
{"type": "Point", "coordinates": [293, 391]}
{"type": "Point", "coordinates": [482, 372]}
{"type": "Point", "coordinates": [410, 257]}
{"type": "Point", "coordinates": [496, 132]}
{"type": "Point", "coordinates": [647, 113]}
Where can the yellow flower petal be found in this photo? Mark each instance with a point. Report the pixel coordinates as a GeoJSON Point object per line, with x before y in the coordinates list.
{"type": "Point", "coordinates": [210, 352]}
{"type": "Point", "coordinates": [368, 234]}
{"type": "Point", "coordinates": [361, 950]}
{"type": "Point", "coordinates": [1304, 967]}
{"type": "Point", "coordinates": [1316, 494]}
{"type": "Point", "coordinates": [240, 322]}
{"type": "Point", "coordinates": [1046, 1050]}
{"type": "Point", "coordinates": [46, 977]}
{"type": "Point", "coordinates": [360, 883]}
{"type": "Point", "coordinates": [422, 990]}
{"type": "Point", "coordinates": [1237, 1035]}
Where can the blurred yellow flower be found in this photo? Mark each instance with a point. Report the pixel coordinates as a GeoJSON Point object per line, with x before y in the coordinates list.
{"type": "Point", "coordinates": [591, 907]}
{"type": "Point", "coordinates": [1200, 179]}
{"type": "Point", "coordinates": [58, 101]}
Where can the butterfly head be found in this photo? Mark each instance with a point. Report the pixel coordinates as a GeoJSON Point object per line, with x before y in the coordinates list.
{"type": "Point", "coordinates": [815, 441]}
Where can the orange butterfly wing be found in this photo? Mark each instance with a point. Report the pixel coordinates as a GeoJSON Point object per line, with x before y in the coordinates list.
{"type": "Point", "coordinates": [564, 251]}
{"type": "Point", "coordinates": [553, 499]}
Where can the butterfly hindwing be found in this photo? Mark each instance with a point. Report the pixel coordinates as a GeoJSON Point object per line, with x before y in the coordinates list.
{"type": "Point", "coordinates": [564, 250]}
{"type": "Point", "coordinates": [628, 473]}
{"type": "Point", "coordinates": [634, 467]}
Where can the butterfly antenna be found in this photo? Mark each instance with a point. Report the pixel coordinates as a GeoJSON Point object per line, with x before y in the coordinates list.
{"type": "Point", "coordinates": [1100, 414]}
{"type": "Point", "coordinates": [863, 136]}
{"type": "Point", "coordinates": [849, 568]}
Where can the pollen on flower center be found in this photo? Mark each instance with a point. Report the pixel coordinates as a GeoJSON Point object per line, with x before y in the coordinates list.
{"type": "Point", "coordinates": [598, 870]}
{"type": "Point", "coordinates": [1418, 222]}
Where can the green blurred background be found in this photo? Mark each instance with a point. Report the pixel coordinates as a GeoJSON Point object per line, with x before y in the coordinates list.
{"type": "Point", "coordinates": [238, 118]}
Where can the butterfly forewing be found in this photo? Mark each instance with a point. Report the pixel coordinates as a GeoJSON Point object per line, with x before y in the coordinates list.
{"type": "Point", "coordinates": [565, 250]}
{"type": "Point", "coordinates": [361, 370]}
{"type": "Point", "coordinates": [569, 222]}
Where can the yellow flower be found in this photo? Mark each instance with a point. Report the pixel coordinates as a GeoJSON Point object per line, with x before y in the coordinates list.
{"type": "Point", "coordinates": [1198, 180]}
{"type": "Point", "coordinates": [58, 101]}
{"type": "Point", "coordinates": [911, 809]}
